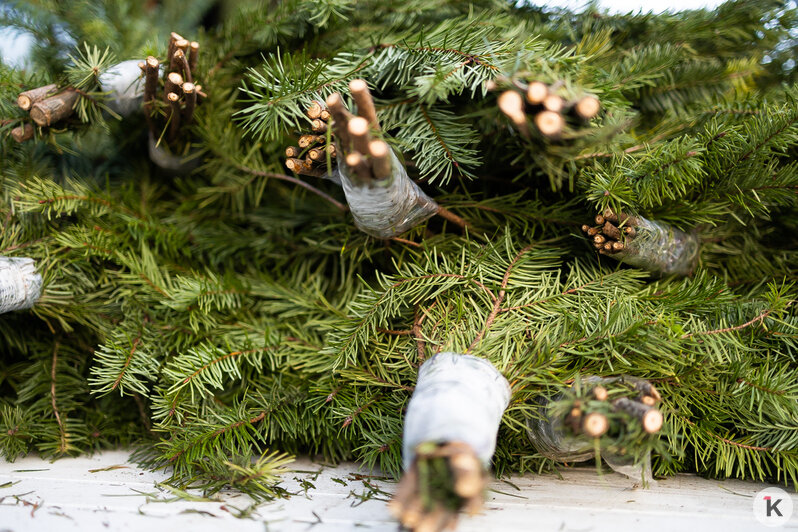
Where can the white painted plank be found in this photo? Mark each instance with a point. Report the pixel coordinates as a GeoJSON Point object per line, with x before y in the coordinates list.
{"type": "Point", "coordinates": [65, 495]}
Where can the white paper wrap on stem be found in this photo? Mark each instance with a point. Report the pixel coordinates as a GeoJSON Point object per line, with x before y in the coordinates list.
{"type": "Point", "coordinates": [457, 398]}
{"type": "Point", "coordinates": [550, 439]}
{"type": "Point", "coordinates": [387, 207]}
{"type": "Point", "coordinates": [20, 284]}
{"type": "Point", "coordinates": [124, 84]}
{"type": "Point", "coordinates": [660, 248]}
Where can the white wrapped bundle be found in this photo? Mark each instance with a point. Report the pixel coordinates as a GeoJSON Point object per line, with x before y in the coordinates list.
{"type": "Point", "coordinates": [457, 398]}
{"type": "Point", "coordinates": [124, 84]}
{"type": "Point", "coordinates": [20, 284]}
{"type": "Point", "coordinates": [387, 207]}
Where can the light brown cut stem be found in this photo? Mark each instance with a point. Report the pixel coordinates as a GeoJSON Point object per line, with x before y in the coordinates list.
{"type": "Point", "coordinates": [150, 79]}
{"type": "Point", "coordinates": [600, 393]}
{"type": "Point", "coordinates": [299, 166]}
{"type": "Point", "coordinates": [191, 102]}
{"type": "Point", "coordinates": [172, 85]}
{"type": "Point", "coordinates": [173, 38]}
{"type": "Point", "coordinates": [650, 417]}
{"type": "Point", "coordinates": [630, 231]}
{"type": "Point", "coordinates": [151, 66]}
{"type": "Point", "coordinates": [536, 92]}
{"type": "Point", "coordinates": [292, 152]}
{"type": "Point", "coordinates": [26, 99]}
{"type": "Point", "coordinates": [553, 103]}
{"type": "Point", "coordinates": [183, 63]}
{"type": "Point", "coordinates": [325, 115]}
{"type": "Point", "coordinates": [174, 115]}
{"type": "Point", "coordinates": [432, 521]}
{"type": "Point", "coordinates": [316, 154]}
{"type": "Point", "coordinates": [22, 133]}
{"type": "Point", "coordinates": [174, 60]}
{"type": "Point", "coordinates": [319, 126]}
{"type": "Point", "coordinates": [549, 123]}
{"type": "Point", "coordinates": [341, 117]}
{"type": "Point", "coordinates": [308, 140]}
{"type": "Point", "coordinates": [314, 111]}
{"type": "Point", "coordinates": [648, 389]}
{"type": "Point", "coordinates": [380, 159]}
{"type": "Point", "coordinates": [404, 493]}
{"type": "Point", "coordinates": [512, 105]}
{"type": "Point", "coordinates": [365, 104]}
{"type": "Point", "coordinates": [193, 58]}
{"type": "Point", "coordinates": [358, 130]}
{"type": "Point", "coordinates": [587, 107]}
{"type": "Point", "coordinates": [599, 239]}
{"type": "Point", "coordinates": [595, 424]}
{"type": "Point", "coordinates": [358, 164]}
{"type": "Point", "coordinates": [599, 219]}
{"type": "Point", "coordinates": [617, 246]}
{"type": "Point", "coordinates": [611, 231]}
{"type": "Point", "coordinates": [50, 110]}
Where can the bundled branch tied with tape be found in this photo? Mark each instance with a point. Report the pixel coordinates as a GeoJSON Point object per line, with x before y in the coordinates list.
{"type": "Point", "coordinates": [383, 199]}
{"type": "Point", "coordinates": [20, 284]}
{"type": "Point", "coordinates": [649, 245]}
{"type": "Point", "coordinates": [169, 117]}
{"type": "Point", "coordinates": [611, 415]}
{"type": "Point", "coordinates": [449, 438]}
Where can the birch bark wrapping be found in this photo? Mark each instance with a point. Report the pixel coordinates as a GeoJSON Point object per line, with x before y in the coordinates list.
{"type": "Point", "coordinates": [20, 285]}
{"type": "Point", "coordinates": [388, 207]}
{"type": "Point", "coordinates": [457, 398]}
{"type": "Point", "coordinates": [660, 248]}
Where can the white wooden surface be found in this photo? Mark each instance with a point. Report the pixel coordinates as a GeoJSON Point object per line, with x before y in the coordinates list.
{"type": "Point", "coordinates": [81, 494]}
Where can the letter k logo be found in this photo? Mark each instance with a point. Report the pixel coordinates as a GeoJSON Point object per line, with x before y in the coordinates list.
{"type": "Point", "coordinates": [772, 506]}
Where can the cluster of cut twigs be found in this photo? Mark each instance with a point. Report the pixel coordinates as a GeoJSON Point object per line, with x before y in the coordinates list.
{"type": "Point", "coordinates": [47, 105]}
{"type": "Point", "coordinates": [369, 159]}
{"type": "Point", "coordinates": [642, 407]}
{"type": "Point", "coordinates": [313, 153]}
{"type": "Point", "coordinates": [544, 106]}
{"type": "Point", "coordinates": [443, 480]}
{"type": "Point", "coordinates": [181, 93]}
{"type": "Point", "coordinates": [611, 231]}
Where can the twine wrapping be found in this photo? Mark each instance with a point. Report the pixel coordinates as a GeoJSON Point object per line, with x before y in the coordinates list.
{"type": "Point", "coordinates": [457, 398]}
{"type": "Point", "coordinates": [20, 285]}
